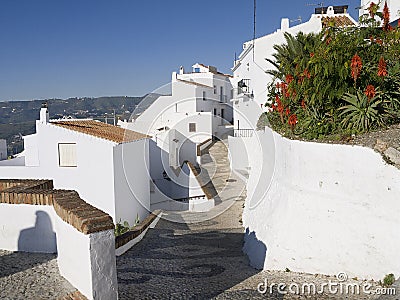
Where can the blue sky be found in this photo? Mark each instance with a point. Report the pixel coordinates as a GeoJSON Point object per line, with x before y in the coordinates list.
{"type": "Point", "coordinates": [68, 48]}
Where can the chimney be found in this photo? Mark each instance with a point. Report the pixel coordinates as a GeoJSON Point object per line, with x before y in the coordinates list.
{"type": "Point", "coordinates": [181, 70]}
{"type": "Point", "coordinates": [44, 114]}
{"type": "Point", "coordinates": [284, 24]}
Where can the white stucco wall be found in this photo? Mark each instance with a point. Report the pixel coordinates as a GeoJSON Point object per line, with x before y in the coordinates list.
{"type": "Point", "coordinates": [86, 261]}
{"type": "Point", "coordinates": [321, 208]}
{"type": "Point", "coordinates": [132, 181]}
{"type": "Point", "coordinates": [28, 228]}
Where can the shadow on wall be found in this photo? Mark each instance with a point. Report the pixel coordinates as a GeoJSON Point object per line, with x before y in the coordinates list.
{"type": "Point", "coordinates": [40, 238]}
{"type": "Point", "coordinates": [255, 250]}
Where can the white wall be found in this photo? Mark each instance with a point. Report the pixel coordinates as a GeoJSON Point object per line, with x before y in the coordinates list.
{"type": "Point", "coordinates": [3, 149]}
{"type": "Point", "coordinates": [86, 261]}
{"type": "Point", "coordinates": [321, 208]}
{"type": "Point", "coordinates": [132, 181]}
{"type": "Point", "coordinates": [28, 228]}
{"type": "Point", "coordinates": [18, 161]}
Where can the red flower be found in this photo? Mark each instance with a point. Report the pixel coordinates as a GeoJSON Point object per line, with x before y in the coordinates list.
{"type": "Point", "coordinates": [372, 9]}
{"type": "Point", "coordinates": [287, 111]}
{"type": "Point", "coordinates": [279, 106]}
{"type": "Point", "coordinates": [292, 121]}
{"type": "Point", "coordinates": [307, 74]}
{"type": "Point", "coordinates": [379, 41]}
{"type": "Point", "coordinates": [303, 104]}
{"type": "Point", "coordinates": [356, 66]}
{"type": "Point", "coordinates": [370, 91]}
{"type": "Point", "coordinates": [328, 41]}
{"type": "Point", "coordinates": [312, 54]}
{"type": "Point", "coordinates": [386, 17]}
{"type": "Point", "coordinates": [289, 78]}
{"type": "Point", "coordinates": [382, 71]}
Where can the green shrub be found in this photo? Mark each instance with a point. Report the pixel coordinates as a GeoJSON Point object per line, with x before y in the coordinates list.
{"type": "Point", "coordinates": [338, 82]}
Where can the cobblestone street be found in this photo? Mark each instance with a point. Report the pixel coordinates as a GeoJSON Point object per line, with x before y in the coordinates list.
{"type": "Point", "coordinates": [31, 276]}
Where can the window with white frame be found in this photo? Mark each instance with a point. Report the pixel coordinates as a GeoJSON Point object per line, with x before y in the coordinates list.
{"type": "Point", "coordinates": [204, 95]}
{"type": "Point", "coordinates": [67, 155]}
{"type": "Point", "coordinates": [215, 89]}
{"type": "Point", "coordinates": [192, 127]}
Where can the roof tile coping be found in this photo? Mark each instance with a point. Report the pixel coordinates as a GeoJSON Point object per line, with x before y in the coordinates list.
{"type": "Point", "coordinates": [67, 204]}
{"type": "Point", "coordinates": [101, 130]}
{"type": "Point", "coordinates": [6, 184]}
{"type": "Point", "coordinates": [137, 230]}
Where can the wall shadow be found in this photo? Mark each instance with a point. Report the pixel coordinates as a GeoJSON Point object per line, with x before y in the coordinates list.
{"type": "Point", "coordinates": [255, 249]}
{"type": "Point", "coordinates": [40, 238]}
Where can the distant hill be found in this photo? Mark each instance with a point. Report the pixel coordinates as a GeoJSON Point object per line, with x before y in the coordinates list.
{"type": "Point", "coordinates": [18, 117]}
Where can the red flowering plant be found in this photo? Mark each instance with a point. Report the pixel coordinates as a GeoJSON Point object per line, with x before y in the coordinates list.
{"type": "Point", "coordinates": [317, 75]}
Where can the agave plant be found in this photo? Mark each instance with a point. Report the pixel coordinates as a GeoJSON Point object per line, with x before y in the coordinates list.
{"type": "Point", "coordinates": [361, 113]}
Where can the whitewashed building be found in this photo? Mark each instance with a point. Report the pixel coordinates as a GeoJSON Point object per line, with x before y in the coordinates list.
{"type": "Point", "coordinates": [197, 110]}
{"type": "Point", "coordinates": [105, 164]}
{"type": "Point", "coordinates": [249, 71]}
{"type": "Point", "coordinates": [198, 106]}
{"type": "Point", "coordinates": [3, 149]}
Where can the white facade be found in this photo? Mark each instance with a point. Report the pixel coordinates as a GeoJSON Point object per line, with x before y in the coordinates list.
{"type": "Point", "coordinates": [108, 175]}
{"type": "Point", "coordinates": [251, 66]}
{"type": "Point", "coordinates": [201, 97]}
{"type": "Point", "coordinates": [3, 149]}
{"type": "Point", "coordinates": [320, 208]}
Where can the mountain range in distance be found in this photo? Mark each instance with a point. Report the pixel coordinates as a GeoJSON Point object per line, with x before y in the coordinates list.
{"type": "Point", "coordinates": [17, 118]}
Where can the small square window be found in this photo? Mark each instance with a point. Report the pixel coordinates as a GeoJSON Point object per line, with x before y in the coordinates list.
{"type": "Point", "coordinates": [67, 155]}
{"type": "Point", "coordinates": [192, 127]}
{"type": "Point", "coordinates": [197, 70]}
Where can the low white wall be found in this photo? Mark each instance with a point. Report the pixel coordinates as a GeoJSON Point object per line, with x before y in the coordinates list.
{"type": "Point", "coordinates": [29, 228]}
{"type": "Point", "coordinates": [321, 208]}
{"type": "Point", "coordinates": [86, 261]}
{"type": "Point", "coordinates": [238, 154]}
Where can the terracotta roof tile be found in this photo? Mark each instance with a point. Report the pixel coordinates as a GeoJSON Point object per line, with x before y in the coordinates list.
{"type": "Point", "coordinates": [102, 130]}
{"type": "Point", "coordinates": [337, 21]}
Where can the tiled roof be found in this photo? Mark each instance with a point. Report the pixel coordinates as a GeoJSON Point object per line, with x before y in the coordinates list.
{"type": "Point", "coordinates": [337, 21]}
{"type": "Point", "coordinates": [102, 130]}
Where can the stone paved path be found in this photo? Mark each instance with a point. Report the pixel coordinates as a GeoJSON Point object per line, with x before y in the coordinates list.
{"type": "Point", "coordinates": [31, 276]}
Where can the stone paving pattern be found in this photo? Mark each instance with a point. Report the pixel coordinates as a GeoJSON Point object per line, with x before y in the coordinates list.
{"type": "Point", "coordinates": [31, 276]}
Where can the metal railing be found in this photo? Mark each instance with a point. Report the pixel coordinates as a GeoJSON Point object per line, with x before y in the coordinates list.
{"type": "Point", "coordinates": [243, 133]}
